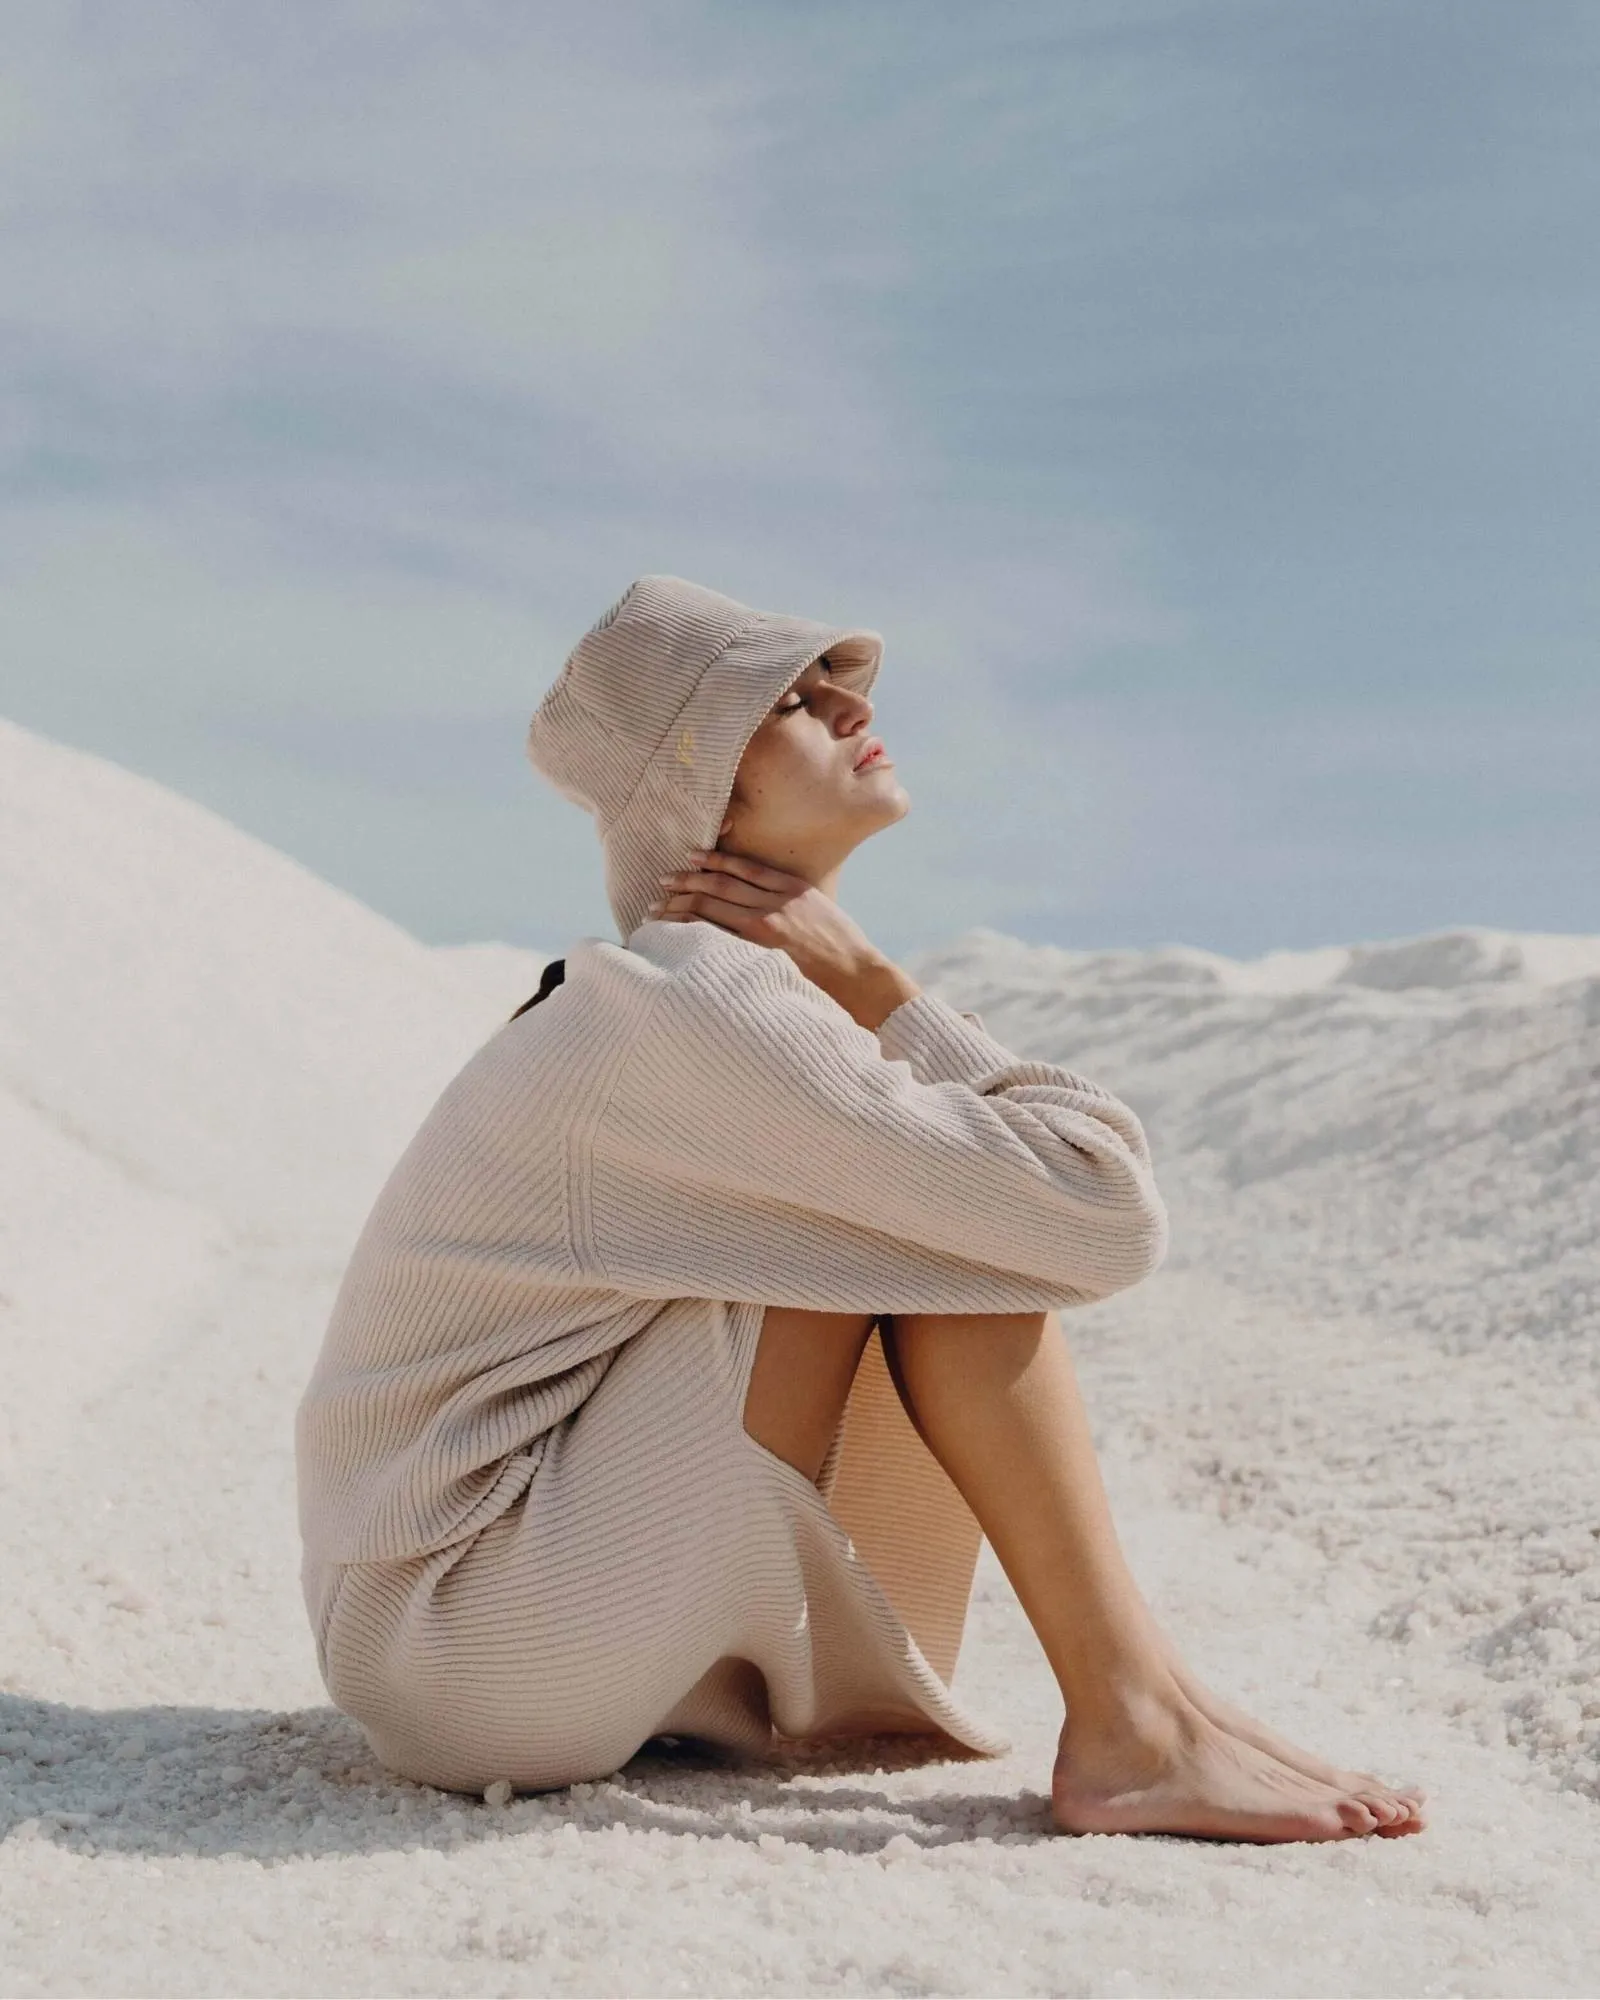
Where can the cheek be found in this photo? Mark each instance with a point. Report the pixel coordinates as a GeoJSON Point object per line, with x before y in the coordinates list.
{"type": "Point", "coordinates": [784, 773]}
{"type": "Point", "coordinates": [771, 763]}
{"type": "Point", "coordinates": [806, 767]}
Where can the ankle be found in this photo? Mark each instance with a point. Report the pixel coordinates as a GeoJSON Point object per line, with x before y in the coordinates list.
{"type": "Point", "coordinates": [1140, 1701]}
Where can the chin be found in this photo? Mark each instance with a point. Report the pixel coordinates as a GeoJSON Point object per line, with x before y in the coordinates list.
{"type": "Point", "coordinates": [894, 806]}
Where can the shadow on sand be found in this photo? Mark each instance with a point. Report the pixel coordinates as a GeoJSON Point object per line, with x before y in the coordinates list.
{"type": "Point", "coordinates": [275, 1786]}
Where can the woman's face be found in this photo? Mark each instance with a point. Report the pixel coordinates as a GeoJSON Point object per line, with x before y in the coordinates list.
{"type": "Point", "coordinates": [798, 801]}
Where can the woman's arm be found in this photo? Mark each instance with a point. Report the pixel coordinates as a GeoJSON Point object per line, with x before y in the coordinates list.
{"type": "Point", "coordinates": [761, 1144]}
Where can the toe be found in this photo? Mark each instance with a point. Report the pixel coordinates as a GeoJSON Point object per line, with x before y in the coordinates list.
{"type": "Point", "coordinates": [1356, 1817]}
{"type": "Point", "coordinates": [1411, 1797]}
{"type": "Point", "coordinates": [1412, 1819]}
{"type": "Point", "coordinates": [1413, 1800]}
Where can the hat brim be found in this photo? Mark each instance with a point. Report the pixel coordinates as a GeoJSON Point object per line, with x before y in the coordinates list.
{"type": "Point", "coordinates": [681, 800]}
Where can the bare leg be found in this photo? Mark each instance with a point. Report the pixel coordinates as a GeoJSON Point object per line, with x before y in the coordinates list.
{"type": "Point", "coordinates": [1235, 1720]}
{"type": "Point", "coordinates": [804, 1366]}
{"type": "Point", "coordinates": [996, 1399]}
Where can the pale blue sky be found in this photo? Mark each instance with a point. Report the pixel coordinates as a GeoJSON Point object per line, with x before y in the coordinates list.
{"type": "Point", "coordinates": [1201, 398]}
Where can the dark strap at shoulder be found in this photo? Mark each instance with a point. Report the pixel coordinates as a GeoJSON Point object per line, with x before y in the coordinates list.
{"type": "Point", "coordinates": [549, 980]}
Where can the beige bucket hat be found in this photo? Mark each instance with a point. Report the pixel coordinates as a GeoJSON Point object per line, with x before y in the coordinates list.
{"type": "Point", "coordinates": [645, 724]}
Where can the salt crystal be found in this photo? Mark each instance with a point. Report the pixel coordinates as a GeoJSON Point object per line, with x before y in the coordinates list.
{"type": "Point", "coordinates": [498, 1794]}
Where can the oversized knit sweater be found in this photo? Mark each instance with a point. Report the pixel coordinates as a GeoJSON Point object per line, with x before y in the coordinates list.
{"type": "Point", "coordinates": [535, 1530]}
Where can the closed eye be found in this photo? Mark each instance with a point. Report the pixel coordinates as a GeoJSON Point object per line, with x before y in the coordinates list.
{"type": "Point", "coordinates": [825, 666]}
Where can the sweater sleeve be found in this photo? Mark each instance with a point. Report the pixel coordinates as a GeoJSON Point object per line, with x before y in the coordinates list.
{"type": "Point", "coordinates": [761, 1145]}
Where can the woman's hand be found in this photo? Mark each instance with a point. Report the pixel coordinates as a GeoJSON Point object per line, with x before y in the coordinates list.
{"type": "Point", "coordinates": [769, 906]}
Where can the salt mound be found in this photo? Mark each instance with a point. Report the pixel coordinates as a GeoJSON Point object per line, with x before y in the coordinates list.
{"type": "Point", "coordinates": [1473, 957]}
{"type": "Point", "coordinates": [201, 1009]}
{"type": "Point", "coordinates": [1453, 960]}
{"type": "Point", "coordinates": [1413, 1129]}
{"type": "Point", "coordinates": [499, 976]}
{"type": "Point", "coordinates": [191, 1057]}
{"type": "Point", "coordinates": [95, 1263]}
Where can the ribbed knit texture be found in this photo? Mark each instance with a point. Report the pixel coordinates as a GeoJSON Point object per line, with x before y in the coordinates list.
{"type": "Point", "coordinates": [536, 1531]}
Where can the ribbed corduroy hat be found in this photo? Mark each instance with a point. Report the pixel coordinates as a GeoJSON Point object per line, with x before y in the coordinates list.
{"type": "Point", "coordinates": [645, 724]}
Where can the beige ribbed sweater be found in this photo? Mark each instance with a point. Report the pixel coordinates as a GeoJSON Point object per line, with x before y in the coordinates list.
{"type": "Point", "coordinates": [536, 1532]}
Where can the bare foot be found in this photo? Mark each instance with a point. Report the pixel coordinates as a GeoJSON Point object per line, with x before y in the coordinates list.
{"type": "Point", "coordinates": [1397, 1808]}
{"type": "Point", "coordinates": [1164, 1767]}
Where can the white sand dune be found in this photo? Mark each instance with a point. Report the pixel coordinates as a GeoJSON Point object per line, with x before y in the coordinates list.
{"type": "Point", "coordinates": [1350, 1428]}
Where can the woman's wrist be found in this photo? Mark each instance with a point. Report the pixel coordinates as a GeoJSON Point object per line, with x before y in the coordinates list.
{"type": "Point", "coordinates": [873, 994]}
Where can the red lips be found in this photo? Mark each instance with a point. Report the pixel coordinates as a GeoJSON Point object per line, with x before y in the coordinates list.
{"type": "Point", "coordinates": [873, 747]}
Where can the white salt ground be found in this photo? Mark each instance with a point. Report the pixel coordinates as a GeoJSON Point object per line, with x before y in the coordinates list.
{"type": "Point", "coordinates": [1349, 1430]}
